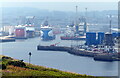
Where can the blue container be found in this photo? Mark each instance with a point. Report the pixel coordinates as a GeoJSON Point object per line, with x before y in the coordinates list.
{"type": "Point", "coordinates": [91, 38]}
{"type": "Point", "coordinates": [101, 36]}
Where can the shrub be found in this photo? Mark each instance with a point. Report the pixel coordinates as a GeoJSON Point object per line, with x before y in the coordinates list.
{"type": "Point", "coordinates": [3, 66]}
{"type": "Point", "coordinates": [4, 57]}
{"type": "Point", "coordinates": [17, 63]}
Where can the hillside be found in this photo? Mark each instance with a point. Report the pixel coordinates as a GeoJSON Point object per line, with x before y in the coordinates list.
{"type": "Point", "coordinates": [17, 68]}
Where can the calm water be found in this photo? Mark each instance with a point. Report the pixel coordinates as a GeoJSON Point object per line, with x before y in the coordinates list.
{"type": "Point", "coordinates": [59, 60]}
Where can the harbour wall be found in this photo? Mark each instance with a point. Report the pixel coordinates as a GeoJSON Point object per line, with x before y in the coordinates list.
{"type": "Point", "coordinates": [74, 51]}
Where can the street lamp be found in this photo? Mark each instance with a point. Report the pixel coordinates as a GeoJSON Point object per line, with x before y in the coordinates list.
{"type": "Point", "coordinates": [30, 57]}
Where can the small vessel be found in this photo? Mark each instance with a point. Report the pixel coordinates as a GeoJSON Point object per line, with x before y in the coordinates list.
{"type": "Point", "coordinates": [27, 30]}
{"type": "Point", "coordinates": [30, 31]}
{"type": "Point", "coordinates": [71, 33]}
{"type": "Point", "coordinates": [78, 30]}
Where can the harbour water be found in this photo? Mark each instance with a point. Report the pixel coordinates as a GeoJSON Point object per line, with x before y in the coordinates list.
{"type": "Point", "coordinates": [59, 60]}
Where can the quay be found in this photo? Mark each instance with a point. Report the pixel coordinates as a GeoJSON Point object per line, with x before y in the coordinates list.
{"type": "Point", "coordinates": [7, 39]}
{"type": "Point", "coordinates": [80, 52]}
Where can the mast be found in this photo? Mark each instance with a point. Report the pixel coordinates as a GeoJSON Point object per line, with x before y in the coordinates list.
{"type": "Point", "coordinates": [86, 14]}
{"type": "Point", "coordinates": [76, 20]}
{"type": "Point", "coordinates": [85, 22]}
{"type": "Point", "coordinates": [76, 15]}
{"type": "Point", "coordinates": [110, 23]}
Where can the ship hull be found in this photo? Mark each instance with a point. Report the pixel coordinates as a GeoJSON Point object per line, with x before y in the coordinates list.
{"type": "Point", "coordinates": [49, 38]}
{"type": "Point", "coordinates": [20, 33]}
{"type": "Point", "coordinates": [30, 34]}
{"type": "Point", "coordinates": [47, 34]}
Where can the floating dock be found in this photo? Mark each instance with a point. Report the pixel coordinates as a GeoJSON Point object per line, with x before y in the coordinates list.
{"type": "Point", "coordinates": [80, 52]}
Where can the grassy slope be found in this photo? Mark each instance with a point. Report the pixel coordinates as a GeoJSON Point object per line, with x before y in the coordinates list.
{"type": "Point", "coordinates": [34, 70]}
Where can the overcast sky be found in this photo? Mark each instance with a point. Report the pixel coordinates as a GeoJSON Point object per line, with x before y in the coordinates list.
{"type": "Point", "coordinates": [60, 0]}
{"type": "Point", "coordinates": [64, 5]}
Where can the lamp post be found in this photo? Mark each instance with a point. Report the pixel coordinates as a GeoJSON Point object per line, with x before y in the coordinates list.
{"type": "Point", "coordinates": [30, 57]}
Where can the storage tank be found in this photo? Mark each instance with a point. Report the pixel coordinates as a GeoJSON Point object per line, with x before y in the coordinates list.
{"type": "Point", "coordinates": [109, 41]}
{"type": "Point", "coordinates": [118, 34]}
{"type": "Point", "coordinates": [91, 38]}
{"type": "Point", "coordinates": [115, 34]}
{"type": "Point", "coordinates": [101, 36]}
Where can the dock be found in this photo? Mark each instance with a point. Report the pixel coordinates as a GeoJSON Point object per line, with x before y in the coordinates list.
{"type": "Point", "coordinates": [7, 39]}
{"type": "Point", "coordinates": [96, 56]}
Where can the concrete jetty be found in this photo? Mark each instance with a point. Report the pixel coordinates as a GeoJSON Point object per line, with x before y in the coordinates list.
{"type": "Point", "coordinates": [7, 39]}
{"type": "Point", "coordinates": [79, 52]}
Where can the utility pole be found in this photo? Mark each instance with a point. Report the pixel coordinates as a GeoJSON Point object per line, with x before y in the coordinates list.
{"type": "Point", "coordinates": [30, 57]}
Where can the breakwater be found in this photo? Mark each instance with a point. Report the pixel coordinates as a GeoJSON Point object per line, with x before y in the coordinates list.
{"type": "Point", "coordinates": [80, 52]}
{"type": "Point", "coordinates": [7, 40]}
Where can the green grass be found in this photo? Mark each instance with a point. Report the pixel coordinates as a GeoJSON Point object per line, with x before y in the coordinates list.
{"type": "Point", "coordinates": [31, 70]}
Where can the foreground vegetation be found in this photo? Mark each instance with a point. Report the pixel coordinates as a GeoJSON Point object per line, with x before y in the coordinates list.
{"type": "Point", "coordinates": [17, 68]}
